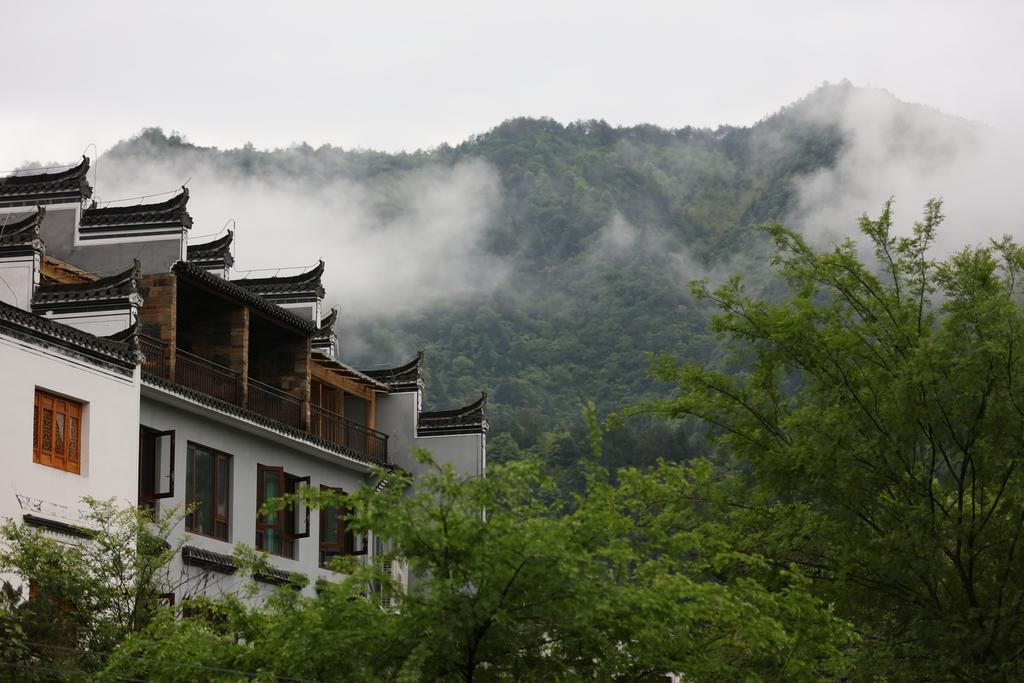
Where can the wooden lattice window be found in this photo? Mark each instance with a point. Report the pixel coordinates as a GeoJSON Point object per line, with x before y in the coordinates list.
{"type": "Point", "coordinates": [57, 432]}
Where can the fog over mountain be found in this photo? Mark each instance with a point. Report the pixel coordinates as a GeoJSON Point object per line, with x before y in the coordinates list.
{"type": "Point", "coordinates": [912, 153]}
{"type": "Point", "coordinates": [540, 261]}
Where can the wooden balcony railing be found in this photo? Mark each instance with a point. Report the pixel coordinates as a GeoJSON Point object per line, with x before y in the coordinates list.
{"type": "Point", "coordinates": [345, 432]}
{"type": "Point", "coordinates": [208, 377]}
{"type": "Point", "coordinates": [155, 351]}
{"type": "Point", "coordinates": [275, 404]}
{"type": "Point", "coordinates": [228, 385]}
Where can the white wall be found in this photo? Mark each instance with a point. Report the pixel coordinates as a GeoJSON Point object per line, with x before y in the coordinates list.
{"type": "Point", "coordinates": [17, 280]}
{"type": "Point", "coordinates": [109, 436]}
{"type": "Point", "coordinates": [248, 446]}
{"type": "Point", "coordinates": [396, 417]}
{"type": "Point", "coordinates": [101, 324]}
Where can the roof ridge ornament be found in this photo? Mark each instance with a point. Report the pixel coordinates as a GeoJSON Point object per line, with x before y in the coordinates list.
{"type": "Point", "coordinates": [23, 229]}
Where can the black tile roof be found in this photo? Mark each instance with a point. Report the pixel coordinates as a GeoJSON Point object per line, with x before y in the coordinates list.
{"type": "Point", "coordinates": [172, 211]}
{"type": "Point", "coordinates": [279, 577]}
{"type": "Point", "coordinates": [327, 322]}
{"type": "Point", "coordinates": [219, 251]}
{"type": "Point", "coordinates": [229, 288]}
{"type": "Point", "coordinates": [401, 378]}
{"type": "Point", "coordinates": [303, 282]}
{"type": "Point", "coordinates": [58, 527]}
{"type": "Point", "coordinates": [466, 420]}
{"type": "Point", "coordinates": [98, 350]}
{"type": "Point", "coordinates": [207, 559]}
{"type": "Point", "coordinates": [22, 230]}
{"type": "Point", "coordinates": [70, 182]}
{"type": "Point", "coordinates": [117, 286]}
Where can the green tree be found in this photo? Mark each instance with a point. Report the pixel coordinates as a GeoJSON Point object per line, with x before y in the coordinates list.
{"type": "Point", "coordinates": [872, 424]}
{"type": "Point", "coordinates": [76, 600]}
{"type": "Point", "coordinates": [510, 584]}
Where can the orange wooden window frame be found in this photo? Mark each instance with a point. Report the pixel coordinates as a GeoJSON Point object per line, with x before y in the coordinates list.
{"type": "Point", "coordinates": [57, 432]}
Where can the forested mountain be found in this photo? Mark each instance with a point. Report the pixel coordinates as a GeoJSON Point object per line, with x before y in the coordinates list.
{"type": "Point", "coordinates": [600, 229]}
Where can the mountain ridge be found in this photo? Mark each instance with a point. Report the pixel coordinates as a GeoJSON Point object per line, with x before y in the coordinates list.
{"type": "Point", "coordinates": [599, 227]}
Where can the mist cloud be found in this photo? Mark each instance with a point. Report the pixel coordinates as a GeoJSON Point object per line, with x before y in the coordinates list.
{"type": "Point", "coordinates": [405, 242]}
{"type": "Point", "coordinates": [911, 153]}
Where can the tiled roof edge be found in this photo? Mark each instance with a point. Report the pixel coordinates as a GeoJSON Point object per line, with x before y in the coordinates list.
{"type": "Point", "coordinates": [34, 327]}
{"type": "Point", "coordinates": [401, 378]}
{"type": "Point", "coordinates": [77, 171]}
{"type": "Point", "coordinates": [123, 283]}
{"type": "Point", "coordinates": [23, 230]}
{"type": "Point", "coordinates": [228, 287]}
{"type": "Point", "coordinates": [310, 277]}
{"type": "Point", "coordinates": [469, 419]}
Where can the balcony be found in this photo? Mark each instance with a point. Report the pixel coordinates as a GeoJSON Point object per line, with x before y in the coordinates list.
{"type": "Point", "coordinates": [207, 377]}
{"type": "Point", "coordinates": [345, 432]}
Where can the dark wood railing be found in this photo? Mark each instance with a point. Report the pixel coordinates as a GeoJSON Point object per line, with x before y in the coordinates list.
{"type": "Point", "coordinates": [275, 404]}
{"type": "Point", "coordinates": [208, 377]}
{"type": "Point", "coordinates": [157, 358]}
{"type": "Point", "coordinates": [345, 432]}
{"type": "Point", "coordinates": [226, 384]}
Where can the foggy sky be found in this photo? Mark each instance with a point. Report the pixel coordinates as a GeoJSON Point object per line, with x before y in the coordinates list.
{"type": "Point", "coordinates": [405, 75]}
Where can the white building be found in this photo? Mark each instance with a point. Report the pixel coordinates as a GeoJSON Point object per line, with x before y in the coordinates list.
{"type": "Point", "coordinates": [240, 397]}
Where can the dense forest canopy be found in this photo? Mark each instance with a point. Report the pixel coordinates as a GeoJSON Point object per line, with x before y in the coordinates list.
{"type": "Point", "coordinates": [596, 232]}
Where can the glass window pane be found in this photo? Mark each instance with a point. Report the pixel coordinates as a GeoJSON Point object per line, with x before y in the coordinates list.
{"type": "Point", "coordinates": [161, 466]}
{"type": "Point", "coordinates": [146, 476]}
{"type": "Point", "coordinates": [189, 488]}
{"type": "Point", "coordinates": [270, 488]}
{"type": "Point", "coordinates": [223, 484]}
{"type": "Point", "coordinates": [204, 492]}
{"type": "Point", "coordinates": [272, 541]}
{"type": "Point", "coordinates": [332, 526]}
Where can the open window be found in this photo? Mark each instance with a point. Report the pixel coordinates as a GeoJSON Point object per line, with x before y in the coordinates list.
{"type": "Point", "coordinates": [335, 536]}
{"type": "Point", "coordinates": [276, 532]}
{"type": "Point", "coordinates": [156, 466]}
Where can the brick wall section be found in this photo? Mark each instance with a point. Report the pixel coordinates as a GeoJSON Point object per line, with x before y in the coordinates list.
{"type": "Point", "coordinates": [221, 335]}
{"type": "Point", "coordinates": [158, 316]}
{"type": "Point", "coordinates": [240, 351]}
{"type": "Point", "coordinates": [282, 362]}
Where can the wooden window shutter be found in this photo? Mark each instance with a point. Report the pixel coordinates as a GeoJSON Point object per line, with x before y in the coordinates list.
{"type": "Point", "coordinates": [57, 429]}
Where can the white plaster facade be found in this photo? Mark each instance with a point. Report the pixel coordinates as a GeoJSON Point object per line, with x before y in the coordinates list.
{"type": "Point", "coordinates": [119, 398]}
{"type": "Point", "coordinates": [108, 433]}
{"type": "Point", "coordinates": [248, 444]}
{"type": "Point", "coordinates": [398, 416]}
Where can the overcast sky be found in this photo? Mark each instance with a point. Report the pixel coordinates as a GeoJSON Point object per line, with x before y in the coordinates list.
{"type": "Point", "coordinates": [404, 75]}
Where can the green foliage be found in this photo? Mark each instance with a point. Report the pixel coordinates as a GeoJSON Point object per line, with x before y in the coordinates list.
{"type": "Point", "coordinates": [511, 583]}
{"type": "Point", "coordinates": [579, 310]}
{"type": "Point", "coordinates": [872, 426]}
{"type": "Point", "coordinates": [87, 595]}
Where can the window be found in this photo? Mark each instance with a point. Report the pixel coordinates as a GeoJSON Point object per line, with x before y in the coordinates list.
{"type": "Point", "coordinates": [276, 531]}
{"type": "Point", "coordinates": [56, 432]}
{"type": "Point", "coordinates": [207, 487]}
{"type": "Point", "coordinates": [156, 466]}
{"type": "Point", "coordinates": [335, 538]}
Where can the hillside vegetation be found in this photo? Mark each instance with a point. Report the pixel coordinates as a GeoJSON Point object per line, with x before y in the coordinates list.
{"type": "Point", "coordinates": [601, 228]}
